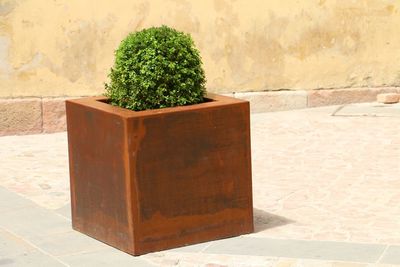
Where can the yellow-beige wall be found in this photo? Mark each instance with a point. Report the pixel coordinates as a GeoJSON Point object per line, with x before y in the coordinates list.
{"type": "Point", "coordinates": [65, 47]}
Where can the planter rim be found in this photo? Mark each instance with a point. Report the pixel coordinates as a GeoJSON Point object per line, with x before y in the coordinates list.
{"type": "Point", "coordinates": [97, 102]}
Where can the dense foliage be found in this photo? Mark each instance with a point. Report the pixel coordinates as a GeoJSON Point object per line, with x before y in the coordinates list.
{"type": "Point", "coordinates": [156, 68]}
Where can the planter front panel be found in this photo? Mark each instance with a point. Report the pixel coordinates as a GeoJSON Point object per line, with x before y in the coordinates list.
{"type": "Point", "coordinates": [160, 179]}
{"type": "Point", "coordinates": [192, 173]}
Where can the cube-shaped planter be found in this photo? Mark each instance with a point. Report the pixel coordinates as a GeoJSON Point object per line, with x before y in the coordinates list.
{"type": "Point", "coordinates": [144, 181]}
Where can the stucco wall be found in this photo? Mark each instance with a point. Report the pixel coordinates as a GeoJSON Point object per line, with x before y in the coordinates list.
{"type": "Point", "coordinates": [65, 47]}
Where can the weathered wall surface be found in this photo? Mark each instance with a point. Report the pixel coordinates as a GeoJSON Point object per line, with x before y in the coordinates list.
{"type": "Point", "coordinates": [65, 47]}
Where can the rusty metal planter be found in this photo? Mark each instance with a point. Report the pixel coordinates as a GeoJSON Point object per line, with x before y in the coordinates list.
{"type": "Point", "coordinates": [156, 179]}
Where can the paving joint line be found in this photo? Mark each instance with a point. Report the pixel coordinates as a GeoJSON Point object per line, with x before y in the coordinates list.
{"type": "Point", "coordinates": [383, 254]}
{"type": "Point", "coordinates": [337, 110]}
{"type": "Point", "coordinates": [201, 251]}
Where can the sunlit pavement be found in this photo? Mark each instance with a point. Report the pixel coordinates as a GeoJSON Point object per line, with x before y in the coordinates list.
{"type": "Point", "coordinates": [326, 185]}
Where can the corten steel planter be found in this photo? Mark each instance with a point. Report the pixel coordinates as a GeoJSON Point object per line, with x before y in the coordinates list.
{"type": "Point", "coordinates": [156, 179]}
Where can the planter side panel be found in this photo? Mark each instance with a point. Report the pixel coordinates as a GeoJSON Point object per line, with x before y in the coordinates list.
{"type": "Point", "coordinates": [98, 175]}
{"type": "Point", "coordinates": [192, 173]}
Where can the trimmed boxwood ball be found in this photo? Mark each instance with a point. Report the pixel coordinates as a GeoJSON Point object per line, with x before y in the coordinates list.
{"type": "Point", "coordinates": [156, 68]}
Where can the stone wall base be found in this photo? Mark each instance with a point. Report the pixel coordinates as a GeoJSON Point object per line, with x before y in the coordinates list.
{"type": "Point", "coordinates": [20, 116]}
{"type": "Point", "coordinates": [299, 99]}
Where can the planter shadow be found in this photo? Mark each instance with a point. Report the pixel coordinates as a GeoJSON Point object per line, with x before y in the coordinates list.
{"type": "Point", "coordinates": [264, 220]}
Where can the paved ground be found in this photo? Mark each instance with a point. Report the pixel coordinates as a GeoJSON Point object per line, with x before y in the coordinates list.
{"type": "Point", "coordinates": [326, 193]}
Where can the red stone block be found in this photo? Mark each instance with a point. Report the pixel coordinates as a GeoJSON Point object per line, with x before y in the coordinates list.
{"type": "Point", "coordinates": [54, 115]}
{"type": "Point", "coordinates": [20, 116]}
{"type": "Point", "coordinates": [389, 98]}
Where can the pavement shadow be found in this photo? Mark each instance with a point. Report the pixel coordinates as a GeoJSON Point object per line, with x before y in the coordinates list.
{"type": "Point", "coordinates": [264, 220]}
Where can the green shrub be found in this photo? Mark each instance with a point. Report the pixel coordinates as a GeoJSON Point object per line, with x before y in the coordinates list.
{"type": "Point", "coordinates": [156, 68]}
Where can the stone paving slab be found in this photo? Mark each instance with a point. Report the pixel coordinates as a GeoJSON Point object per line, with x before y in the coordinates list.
{"type": "Point", "coordinates": [33, 222]}
{"type": "Point", "coordinates": [10, 245]}
{"type": "Point", "coordinates": [339, 251]}
{"type": "Point", "coordinates": [369, 109]}
{"type": "Point", "coordinates": [67, 243]}
{"type": "Point", "coordinates": [391, 255]}
{"type": "Point", "coordinates": [36, 167]}
{"type": "Point", "coordinates": [31, 235]}
{"type": "Point", "coordinates": [11, 201]}
{"type": "Point", "coordinates": [106, 258]}
{"type": "Point", "coordinates": [15, 251]}
{"type": "Point", "coordinates": [208, 260]}
{"type": "Point", "coordinates": [34, 258]}
{"type": "Point", "coordinates": [329, 178]}
{"type": "Point", "coordinates": [72, 248]}
{"type": "Point", "coordinates": [64, 211]}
